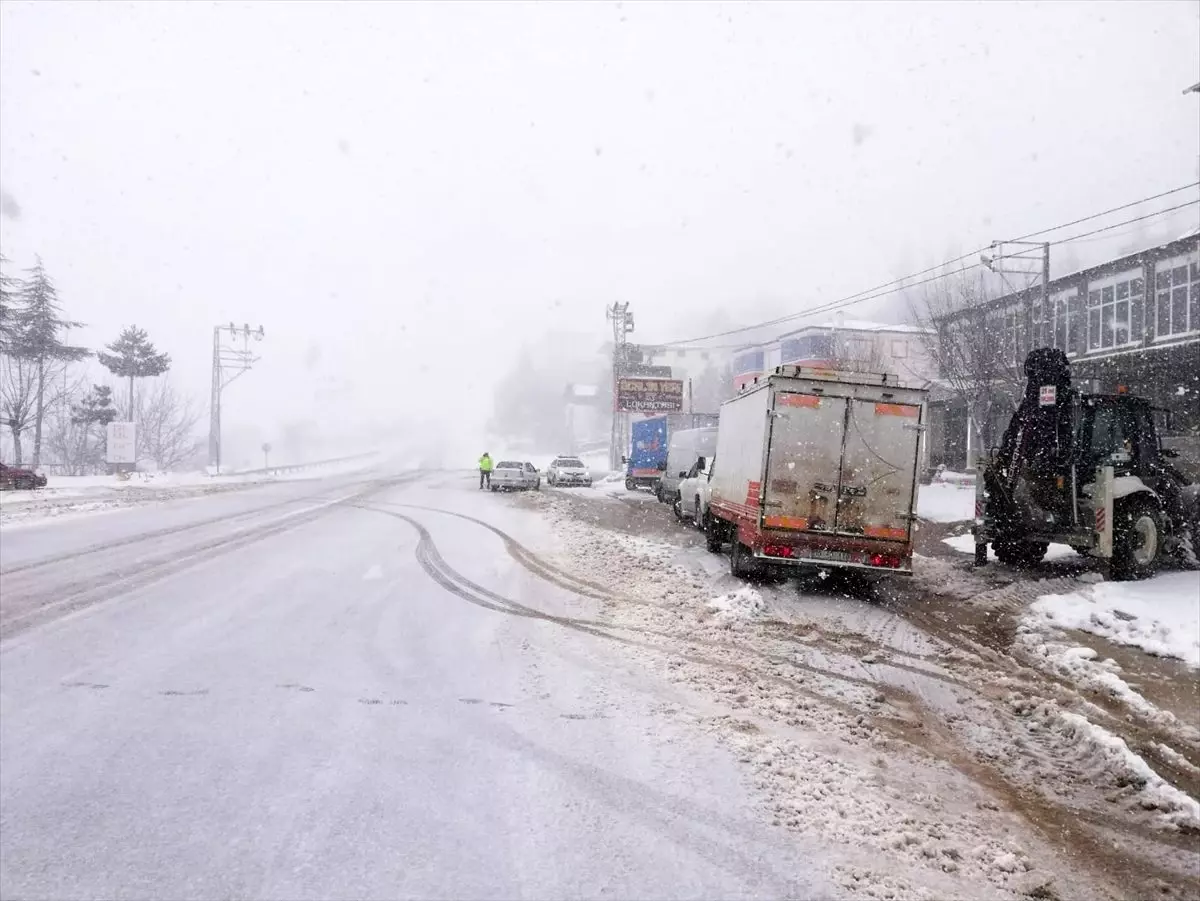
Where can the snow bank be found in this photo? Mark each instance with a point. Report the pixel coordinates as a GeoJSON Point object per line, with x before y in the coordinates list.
{"type": "Point", "coordinates": [966, 544]}
{"type": "Point", "coordinates": [1179, 810]}
{"type": "Point", "coordinates": [945, 502]}
{"type": "Point", "coordinates": [1160, 615]}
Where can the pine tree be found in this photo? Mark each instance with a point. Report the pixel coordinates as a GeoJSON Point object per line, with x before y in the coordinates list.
{"type": "Point", "coordinates": [133, 356]}
{"type": "Point", "coordinates": [8, 308]}
{"type": "Point", "coordinates": [96, 409]}
{"type": "Point", "coordinates": [38, 324]}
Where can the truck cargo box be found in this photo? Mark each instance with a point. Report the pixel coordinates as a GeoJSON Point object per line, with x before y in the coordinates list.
{"type": "Point", "coordinates": [819, 469]}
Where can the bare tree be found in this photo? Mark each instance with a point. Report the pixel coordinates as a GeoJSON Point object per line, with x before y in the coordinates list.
{"type": "Point", "coordinates": [18, 398]}
{"type": "Point", "coordinates": [976, 354]}
{"type": "Point", "coordinates": [166, 425]}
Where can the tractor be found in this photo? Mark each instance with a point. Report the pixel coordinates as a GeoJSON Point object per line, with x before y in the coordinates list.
{"type": "Point", "coordinates": [1085, 470]}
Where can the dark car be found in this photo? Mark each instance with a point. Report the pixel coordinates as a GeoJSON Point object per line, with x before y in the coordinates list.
{"type": "Point", "coordinates": [12, 477]}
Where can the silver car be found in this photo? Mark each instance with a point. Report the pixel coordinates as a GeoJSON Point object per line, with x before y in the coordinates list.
{"type": "Point", "coordinates": [568, 471]}
{"type": "Point", "coordinates": [514, 475]}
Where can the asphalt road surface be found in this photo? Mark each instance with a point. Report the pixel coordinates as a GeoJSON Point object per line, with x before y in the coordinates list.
{"type": "Point", "coordinates": [316, 690]}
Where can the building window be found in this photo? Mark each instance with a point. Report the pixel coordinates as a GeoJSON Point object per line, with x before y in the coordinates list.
{"type": "Point", "coordinates": [1058, 321]}
{"type": "Point", "coordinates": [1176, 300]}
{"type": "Point", "coordinates": [748, 363]}
{"type": "Point", "coordinates": [807, 347]}
{"type": "Point", "coordinates": [1114, 311]}
{"type": "Point", "coordinates": [899, 349]}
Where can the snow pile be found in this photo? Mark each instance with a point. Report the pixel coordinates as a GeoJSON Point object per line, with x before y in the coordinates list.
{"type": "Point", "coordinates": [946, 502]}
{"type": "Point", "coordinates": [1160, 615]}
{"type": "Point", "coordinates": [743, 604]}
{"type": "Point", "coordinates": [1152, 792]}
{"type": "Point", "coordinates": [965, 544]}
{"type": "Point", "coordinates": [1083, 667]}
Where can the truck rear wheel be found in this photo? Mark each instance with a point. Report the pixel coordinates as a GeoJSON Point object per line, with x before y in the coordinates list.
{"type": "Point", "coordinates": [1137, 539]}
{"type": "Point", "coordinates": [741, 561]}
{"type": "Point", "coordinates": [714, 534]}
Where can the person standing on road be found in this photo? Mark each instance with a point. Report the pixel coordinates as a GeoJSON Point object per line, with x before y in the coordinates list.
{"type": "Point", "coordinates": [485, 470]}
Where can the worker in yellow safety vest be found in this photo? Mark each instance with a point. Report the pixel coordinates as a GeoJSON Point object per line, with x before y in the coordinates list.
{"type": "Point", "coordinates": [485, 470]}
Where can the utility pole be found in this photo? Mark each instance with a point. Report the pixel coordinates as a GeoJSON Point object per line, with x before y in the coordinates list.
{"type": "Point", "coordinates": [998, 255]}
{"type": "Point", "coordinates": [229, 360]}
{"type": "Point", "coordinates": [622, 324]}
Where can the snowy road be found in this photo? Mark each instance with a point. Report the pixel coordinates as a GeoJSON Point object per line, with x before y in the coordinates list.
{"type": "Point", "coordinates": [314, 690]}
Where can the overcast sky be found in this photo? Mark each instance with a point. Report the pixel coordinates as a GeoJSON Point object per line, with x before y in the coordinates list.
{"type": "Point", "coordinates": [402, 193]}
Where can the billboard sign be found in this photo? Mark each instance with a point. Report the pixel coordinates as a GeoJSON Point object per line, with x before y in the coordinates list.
{"type": "Point", "coordinates": [649, 395]}
{"type": "Point", "coordinates": [121, 443]}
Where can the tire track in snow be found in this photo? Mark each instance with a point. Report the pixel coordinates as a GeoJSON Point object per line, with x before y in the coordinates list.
{"type": "Point", "coordinates": [85, 595]}
{"type": "Point", "coordinates": [1070, 830]}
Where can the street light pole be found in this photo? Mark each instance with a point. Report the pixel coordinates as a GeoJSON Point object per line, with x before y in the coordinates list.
{"type": "Point", "coordinates": [228, 362]}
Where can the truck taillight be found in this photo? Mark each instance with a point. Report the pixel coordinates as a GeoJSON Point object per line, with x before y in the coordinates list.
{"type": "Point", "coordinates": [779, 550]}
{"type": "Point", "coordinates": [885, 560]}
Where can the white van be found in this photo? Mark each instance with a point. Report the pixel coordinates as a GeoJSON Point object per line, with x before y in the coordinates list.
{"type": "Point", "coordinates": [686, 447]}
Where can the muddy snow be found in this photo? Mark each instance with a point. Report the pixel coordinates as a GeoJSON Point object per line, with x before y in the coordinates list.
{"type": "Point", "coordinates": [951, 748]}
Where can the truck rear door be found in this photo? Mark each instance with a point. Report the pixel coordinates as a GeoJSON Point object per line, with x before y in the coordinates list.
{"type": "Point", "coordinates": [878, 469]}
{"type": "Point", "coordinates": [804, 462]}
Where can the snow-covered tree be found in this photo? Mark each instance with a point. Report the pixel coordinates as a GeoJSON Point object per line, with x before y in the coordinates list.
{"type": "Point", "coordinates": [133, 356]}
{"type": "Point", "coordinates": [18, 399]}
{"type": "Point", "coordinates": [38, 324]}
{"type": "Point", "coordinates": [8, 307]}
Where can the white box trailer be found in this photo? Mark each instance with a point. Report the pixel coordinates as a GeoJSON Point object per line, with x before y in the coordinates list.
{"type": "Point", "coordinates": [817, 469]}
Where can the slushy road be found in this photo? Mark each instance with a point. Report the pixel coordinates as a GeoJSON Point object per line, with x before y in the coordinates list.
{"type": "Point", "coordinates": [316, 690]}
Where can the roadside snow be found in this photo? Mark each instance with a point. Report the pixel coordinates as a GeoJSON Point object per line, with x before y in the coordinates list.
{"type": "Point", "coordinates": [1160, 615]}
{"type": "Point", "coordinates": [965, 544]}
{"type": "Point", "coordinates": [742, 604]}
{"type": "Point", "coordinates": [1176, 808]}
{"type": "Point", "coordinates": [73, 496]}
{"type": "Point", "coordinates": [946, 502]}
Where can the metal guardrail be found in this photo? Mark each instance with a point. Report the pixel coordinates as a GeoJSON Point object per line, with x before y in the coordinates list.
{"type": "Point", "coordinates": [294, 467]}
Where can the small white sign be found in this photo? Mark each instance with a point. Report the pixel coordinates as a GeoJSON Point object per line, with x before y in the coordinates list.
{"type": "Point", "coordinates": [1048, 395]}
{"type": "Point", "coordinates": [122, 442]}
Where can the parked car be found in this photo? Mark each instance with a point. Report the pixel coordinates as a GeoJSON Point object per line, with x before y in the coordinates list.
{"type": "Point", "coordinates": [568, 471]}
{"type": "Point", "coordinates": [692, 500]}
{"type": "Point", "coordinates": [513, 475]}
{"type": "Point", "coordinates": [12, 477]}
{"type": "Point", "coordinates": [686, 446]}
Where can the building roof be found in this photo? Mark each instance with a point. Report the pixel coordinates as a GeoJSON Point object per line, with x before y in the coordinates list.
{"type": "Point", "coordinates": [846, 325]}
{"type": "Point", "coordinates": [1183, 244]}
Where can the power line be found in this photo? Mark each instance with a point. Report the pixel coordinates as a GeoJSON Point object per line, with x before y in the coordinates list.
{"type": "Point", "coordinates": [903, 282]}
{"type": "Point", "coordinates": [1106, 228]}
{"type": "Point", "coordinates": [1115, 209]}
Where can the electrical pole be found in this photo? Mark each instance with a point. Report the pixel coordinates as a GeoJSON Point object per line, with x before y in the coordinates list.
{"type": "Point", "coordinates": [622, 324]}
{"type": "Point", "coordinates": [227, 357]}
{"type": "Point", "coordinates": [999, 256]}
